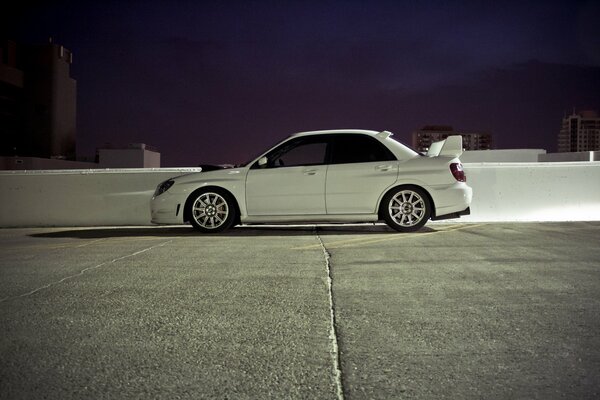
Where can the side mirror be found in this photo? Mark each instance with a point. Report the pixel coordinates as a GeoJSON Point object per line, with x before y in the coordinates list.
{"type": "Point", "coordinates": [263, 161]}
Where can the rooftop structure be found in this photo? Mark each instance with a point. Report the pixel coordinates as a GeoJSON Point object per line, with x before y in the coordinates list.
{"type": "Point", "coordinates": [136, 155]}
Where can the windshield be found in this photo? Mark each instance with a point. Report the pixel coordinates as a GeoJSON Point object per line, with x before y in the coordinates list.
{"type": "Point", "coordinates": [245, 164]}
{"type": "Point", "coordinates": [261, 153]}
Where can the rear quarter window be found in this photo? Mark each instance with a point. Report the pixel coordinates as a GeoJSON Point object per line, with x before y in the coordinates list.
{"type": "Point", "coordinates": [354, 148]}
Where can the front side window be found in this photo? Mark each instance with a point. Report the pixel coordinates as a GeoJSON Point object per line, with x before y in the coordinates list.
{"type": "Point", "coordinates": [299, 152]}
{"type": "Point", "coordinates": [359, 149]}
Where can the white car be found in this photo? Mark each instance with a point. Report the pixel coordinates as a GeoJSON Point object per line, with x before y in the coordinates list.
{"type": "Point", "coordinates": [323, 177]}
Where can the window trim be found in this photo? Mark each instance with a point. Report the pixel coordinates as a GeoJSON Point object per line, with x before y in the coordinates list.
{"type": "Point", "coordinates": [330, 140]}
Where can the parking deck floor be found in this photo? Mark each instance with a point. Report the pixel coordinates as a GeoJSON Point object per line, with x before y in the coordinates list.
{"type": "Point", "coordinates": [489, 311]}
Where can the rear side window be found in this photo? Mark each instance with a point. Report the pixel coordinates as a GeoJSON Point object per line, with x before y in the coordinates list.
{"type": "Point", "coordinates": [359, 149]}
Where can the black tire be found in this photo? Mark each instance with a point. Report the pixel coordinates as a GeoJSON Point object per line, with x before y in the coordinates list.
{"type": "Point", "coordinates": [211, 210]}
{"type": "Point", "coordinates": [406, 208]}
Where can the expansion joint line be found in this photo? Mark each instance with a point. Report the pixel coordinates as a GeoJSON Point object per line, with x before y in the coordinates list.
{"type": "Point", "coordinates": [333, 334]}
{"type": "Point", "coordinates": [83, 271]}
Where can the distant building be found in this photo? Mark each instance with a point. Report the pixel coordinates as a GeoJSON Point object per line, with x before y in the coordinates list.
{"type": "Point", "coordinates": [137, 155]}
{"type": "Point", "coordinates": [37, 163]}
{"type": "Point", "coordinates": [580, 131]}
{"type": "Point", "coordinates": [37, 101]}
{"type": "Point", "coordinates": [424, 137]}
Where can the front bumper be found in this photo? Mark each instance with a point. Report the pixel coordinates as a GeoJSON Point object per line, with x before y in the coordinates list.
{"type": "Point", "coordinates": [166, 209]}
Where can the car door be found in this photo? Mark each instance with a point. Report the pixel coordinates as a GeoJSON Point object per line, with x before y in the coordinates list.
{"type": "Point", "coordinates": [361, 168]}
{"type": "Point", "coordinates": [292, 181]}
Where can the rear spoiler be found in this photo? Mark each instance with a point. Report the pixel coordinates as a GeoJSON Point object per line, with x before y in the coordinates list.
{"type": "Point", "coordinates": [451, 147]}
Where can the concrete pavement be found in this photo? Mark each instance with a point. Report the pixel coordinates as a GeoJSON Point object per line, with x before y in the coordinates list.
{"type": "Point", "coordinates": [492, 311]}
{"type": "Point", "coordinates": [453, 311]}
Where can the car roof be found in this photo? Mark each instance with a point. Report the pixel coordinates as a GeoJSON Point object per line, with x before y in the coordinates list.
{"type": "Point", "coordinates": [326, 132]}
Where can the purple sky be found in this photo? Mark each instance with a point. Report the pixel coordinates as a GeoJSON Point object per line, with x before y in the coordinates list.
{"type": "Point", "coordinates": [218, 81]}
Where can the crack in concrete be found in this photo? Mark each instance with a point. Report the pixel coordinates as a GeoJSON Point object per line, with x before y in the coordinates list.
{"type": "Point", "coordinates": [333, 334]}
{"type": "Point", "coordinates": [83, 271]}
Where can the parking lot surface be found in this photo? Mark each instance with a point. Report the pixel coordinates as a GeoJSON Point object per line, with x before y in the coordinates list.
{"type": "Point", "coordinates": [489, 311]}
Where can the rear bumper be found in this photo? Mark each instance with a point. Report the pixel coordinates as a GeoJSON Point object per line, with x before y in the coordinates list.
{"type": "Point", "coordinates": [458, 214]}
{"type": "Point", "coordinates": [452, 202]}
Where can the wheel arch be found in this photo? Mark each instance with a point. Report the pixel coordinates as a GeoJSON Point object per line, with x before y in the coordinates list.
{"type": "Point", "coordinates": [380, 209]}
{"type": "Point", "coordinates": [187, 209]}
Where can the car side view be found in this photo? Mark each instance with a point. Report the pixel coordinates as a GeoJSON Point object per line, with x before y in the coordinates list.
{"type": "Point", "coordinates": [335, 176]}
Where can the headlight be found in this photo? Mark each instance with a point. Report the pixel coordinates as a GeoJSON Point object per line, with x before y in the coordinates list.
{"type": "Point", "coordinates": [163, 187]}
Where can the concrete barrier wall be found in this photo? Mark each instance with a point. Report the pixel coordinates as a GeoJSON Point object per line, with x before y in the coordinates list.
{"type": "Point", "coordinates": [504, 156]}
{"type": "Point", "coordinates": [80, 197]}
{"type": "Point", "coordinates": [502, 192]}
{"type": "Point", "coordinates": [534, 191]}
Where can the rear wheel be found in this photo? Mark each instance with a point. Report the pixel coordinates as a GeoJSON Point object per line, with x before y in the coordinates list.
{"type": "Point", "coordinates": [406, 208]}
{"type": "Point", "coordinates": [211, 210]}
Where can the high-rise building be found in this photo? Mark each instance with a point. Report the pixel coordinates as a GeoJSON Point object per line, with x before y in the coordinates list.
{"type": "Point", "coordinates": [422, 139]}
{"type": "Point", "coordinates": [37, 101]}
{"type": "Point", "coordinates": [580, 131]}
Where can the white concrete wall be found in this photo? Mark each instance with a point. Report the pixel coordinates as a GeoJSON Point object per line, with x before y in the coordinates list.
{"type": "Point", "coordinates": [501, 192]}
{"type": "Point", "coordinates": [80, 197]}
{"type": "Point", "coordinates": [574, 156]}
{"type": "Point", "coordinates": [497, 156]}
{"type": "Point", "coordinates": [534, 191]}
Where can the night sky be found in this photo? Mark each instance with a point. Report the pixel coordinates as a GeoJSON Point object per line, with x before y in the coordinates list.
{"type": "Point", "coordinates": [218, 81]}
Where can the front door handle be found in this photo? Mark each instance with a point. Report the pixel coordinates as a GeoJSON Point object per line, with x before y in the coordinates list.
{"type": "Point", "coordinates": [309, 172]}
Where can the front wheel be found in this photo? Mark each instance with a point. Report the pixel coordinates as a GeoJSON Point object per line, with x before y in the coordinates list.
{"type": "Point", "coordinates": [211, 211]}
{"type": "Point", "coordinates": [406, 209]}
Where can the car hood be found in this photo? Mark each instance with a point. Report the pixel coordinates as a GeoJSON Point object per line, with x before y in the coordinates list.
{"type": "Point", "coordinates": [226, 173]}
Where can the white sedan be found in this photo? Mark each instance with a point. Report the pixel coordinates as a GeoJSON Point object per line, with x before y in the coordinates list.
{"type": "Point", "coordinates": [323, 177]}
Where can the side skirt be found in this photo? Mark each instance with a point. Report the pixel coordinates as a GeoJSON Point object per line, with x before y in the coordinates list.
{"type": "Point", "coordinates": [283, 219]}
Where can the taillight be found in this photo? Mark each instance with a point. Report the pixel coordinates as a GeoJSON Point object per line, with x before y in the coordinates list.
{"type": "Point", "coordinates": [458, 172]}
